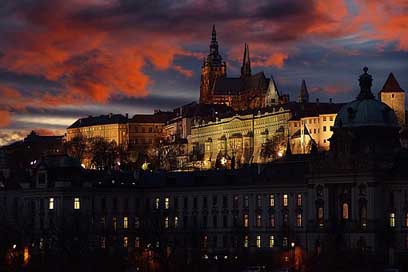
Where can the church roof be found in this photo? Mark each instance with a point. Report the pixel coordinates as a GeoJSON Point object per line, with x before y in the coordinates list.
{"type": "Point", "coordinates": [391, 85]}
{"type": "Point", "coordinates": [100, 120]}
{"type": "Point", "coordinates": [234, 86]}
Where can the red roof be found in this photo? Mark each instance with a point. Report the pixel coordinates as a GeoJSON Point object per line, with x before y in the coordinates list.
{"type": "Point", "coordinates": [391, 85]}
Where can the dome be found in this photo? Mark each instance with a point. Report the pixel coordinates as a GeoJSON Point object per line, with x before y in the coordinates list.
{"type": "Point", "coordinates": [364, 113]}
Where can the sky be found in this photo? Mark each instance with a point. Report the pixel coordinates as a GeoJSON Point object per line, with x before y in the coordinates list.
{"type": "Point", "coordinates": [63, 60]}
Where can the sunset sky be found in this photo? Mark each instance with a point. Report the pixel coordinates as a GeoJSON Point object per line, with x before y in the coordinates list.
{"type": "Point", "coordinates": [61, 60]}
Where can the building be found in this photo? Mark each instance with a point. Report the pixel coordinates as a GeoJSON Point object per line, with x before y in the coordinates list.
{"type": "Point", "coordinates": [248, 91]}
{"type": "Point", "coordinates": [111, 127]}
{"type": "Point", "coordinates": [240, 138]}
{"type": "Point", "coordinates": [394, 96]}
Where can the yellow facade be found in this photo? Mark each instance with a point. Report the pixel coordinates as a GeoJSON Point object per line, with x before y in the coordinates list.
{"type": "Point", "coordinates": [396, 101]}
{"type": "Point", "coordinates": [110, 132]}
{"type": "Point", "coordinates": [240, 136]}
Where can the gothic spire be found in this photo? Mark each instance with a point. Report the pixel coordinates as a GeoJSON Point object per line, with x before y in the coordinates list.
{"type": "Point", "coordinates": [304, 94]}
{"type": "Point", "coordinates": [366, 81]}
{"type": "Point", "coordinates": [246, 63]}
{"type": "Point", "coordinates": [214, 43]}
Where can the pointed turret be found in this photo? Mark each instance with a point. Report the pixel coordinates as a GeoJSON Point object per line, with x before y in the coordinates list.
{"type": "Point", "coordinates": [272, 97]}
{"type": "Point", "coordinates": [304, 94]}
{"type": "Point", "coordinates": [214, 43]}
{"type": "Point", "coordinates": [246, 63]}
{"type": "Point", "coordinates": [391, 85]}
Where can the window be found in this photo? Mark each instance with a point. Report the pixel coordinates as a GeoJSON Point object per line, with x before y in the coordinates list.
{"type": "Point", "coordinates": [157, 203]}
{"type": "Point", "coordinates": [137, 222]}
{"type": "Point", "coordinates": [205, 221]}
{"type": "Point", "coordinates": [285, 242]}
{"type": "Point", "coordinates": [406, 219]}
{"type": "Point", "coordinates": [331, 118]}
{"type": "Point", "coordinates": [272, 220]}
{"type": "Point", "coordinates": [176, 205]}
{"type": "Point", "coordinates": [285, 219]}
{"type": "Point", "coordinates": [345, 211]}
{"type": "Point", "coordinates": [258, 221]}
{"type": "Point", "coordinates": [299, 200]}
{"type": "Point", "coordinates": [225, 221]}
{"type": "Point", "coordinates": [51, 203]}
{"type": "Point", "coordinates": [77, 203]}
{"type": "Point", "coordinates": [125, 222]}
{"type": "Point", "coordinates": [176, 220]}
{"type": "Point", "coordinates": [215, 222]}
{"type": "Point", "coordinates": [246, 241]}
{"type": "Point", "coordinates": [224, 202]}
{"type": "Point", "coordinates": [195, 203]}
{"type": "Point", "coordinates": [246, 201]}
{"type": "Point", "coordinates": [271, 200]}
{"type": "Point", "coordinates": [102, 242]}
{"type": "Point", "coordinates": [137, 242]}
{"type": "Point", "coordinates": [235, 202]}
{"type": "Point", "coordinates": [205, 241]}
{"type": "Point", "coordinates": [324, 118]}
{"type": "Point", "coordinates": [246, 221]}
{"type": "Point", "coordinates": [363, 215]}
{"type": "Point", "coordinates": [392, 220]}
{"type": "Point", "coordinates": [258, 241]}
{"type": "Point", "coordinates": [125, 242]}
{"type": "Point", "coordinates": [320, 216]}
{"type": "Point", "coordinates": [259, 201]}
{"type": "Point", "coordinates": [166, 203]}
{"type": "Point", "coordinates": [205, 202]}
{"type": "Point", "coordinates": [285, 200]}
{"type": "Point", "coordinates": [299, 220]}
{"type": "Point", "coordinates": [166, 222]}
{"type": "Point", "coordinates": [115, 223]}
{"type": "Point", "coordinates": [214, 200]}
{"type": "Point", "coordinates": [324, 128]}
{"type": "Point", "coordinates": [185, 203]}
{"type": "Point", "coordinates": [271, 241]}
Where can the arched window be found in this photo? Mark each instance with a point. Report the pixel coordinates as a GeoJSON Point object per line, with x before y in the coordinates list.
{"type": "Point", "coordinates": [363, 215]}
{"type": "Point", "coordinates": [345, 211]}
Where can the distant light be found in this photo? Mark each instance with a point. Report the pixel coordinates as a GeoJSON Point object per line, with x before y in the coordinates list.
{"type": "Point", "coordinates": [113, 181]}
{"type": "Point", "coordinates": [280, 154]}
{"type": "Point", "coordinates": [206, 256]}
{"type": "Point", "coordinates": [292, 244]}
{"type": "Point", "coordinates": [14, 246]}
{"type": "Point", "coordinates": [216, 257]}
{"type": "Point", "coordinates": [119, 163]}
{"type": "Point", "coordinates": [82, 165]}
{"type": "Point", "coordinates": [145, 166]}
{"type": "Point", "coordinates": [236, 257]}
{"type": "Point", "coordinates": [225, 257]}
{"type": "Point", "coordinates": [223, 160]}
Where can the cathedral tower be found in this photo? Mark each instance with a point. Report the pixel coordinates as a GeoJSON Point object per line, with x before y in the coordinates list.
{"type": "Point", "coordinates": [304, 94]}
{"type": "Point", "coordinates": [246, 63]}
{"type": "Point", "coordinates": [392, 95]}
{"type": "Point", "coordinates": [213, 67]}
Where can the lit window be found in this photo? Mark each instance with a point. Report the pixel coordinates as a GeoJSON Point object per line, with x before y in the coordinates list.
{"type": "Point", "coordinates": [51, 203]}
{"type": "Point", "coordinates": [285, 200]}
{"type": "Point", "coordinates": [137, 242]}
{"type": "Point", "coordinates": [406, 219]}
{"type": "Point", "coordinates": [258, 220]}
{"type": "Point", "coordinates": [271, 241]}
{"type": "Point", "coordinates": [125, 222]}
{"type": "Point", "coordinates": [392, 220]}
{"type": "Point", "coordinates": [246, 243]}
{"type": "Point", "coordinates": [176, 221]}
{"type": "Point", "coordinates": [299, 220]}
{"type": "Point", "coordinates": [299, 200]}
{"type": "Point", "coordinates": [285, 242]}
{"type": "Point", "coordinates": [235, 201]}
{"type": "Point", "coordinates": [157, 203]}
{"type": "Point", "coordinates": [205, 241]}
{"type": "Point", "coordinates": [320, 216]}
{"type": "Point", "coordinates": [166, 203]}
{"type": "Point", "coordinates": [166, 222]}
{"type": "Point", "coordinates": [246, 220]}
{"type": "Point", "coordinates": [345, 212]}
{"type": "Point", "coordinates": [77, 203]}
{"type": "Point", "coordinates": [258, 241]}
{"type": "Point", "coordinates": [271, 200]}
{"type": "Point", "coordinates": [125, 242]}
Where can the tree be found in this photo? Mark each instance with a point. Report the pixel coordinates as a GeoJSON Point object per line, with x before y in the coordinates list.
{"type": "Point", "coordinates": [77, 147]}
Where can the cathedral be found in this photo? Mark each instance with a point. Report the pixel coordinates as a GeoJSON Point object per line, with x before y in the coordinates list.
{"type": "Point", "coordinates": [248, 91]}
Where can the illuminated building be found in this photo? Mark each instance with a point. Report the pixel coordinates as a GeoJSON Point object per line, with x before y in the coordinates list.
{"type": "Point", "coordinates": [247, 91]}
{"type": "Point", "coordinates": [111, 127]}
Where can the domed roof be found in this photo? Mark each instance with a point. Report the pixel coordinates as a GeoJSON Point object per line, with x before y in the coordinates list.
{"type": "Point", "coordinates": [366, 111]}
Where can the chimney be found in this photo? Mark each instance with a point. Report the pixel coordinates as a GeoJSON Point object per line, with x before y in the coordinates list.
{"type": "Point", "coordinates": [331, 100]}
{"type": "Point", "coordinates": [317, 101]}
{"type": "Point", "coordinates": [127, 115]}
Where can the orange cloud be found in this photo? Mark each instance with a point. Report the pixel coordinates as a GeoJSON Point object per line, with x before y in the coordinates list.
{"type": "Point", "coordinates": [5, 118]}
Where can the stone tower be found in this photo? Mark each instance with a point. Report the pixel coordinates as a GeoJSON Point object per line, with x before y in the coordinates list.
{"type": "Point", "coordinates": [304, 94]}
{"type": "Point", "coordinates": [392, 95]}
{"type": "Point", "coordinates": [213, 67]}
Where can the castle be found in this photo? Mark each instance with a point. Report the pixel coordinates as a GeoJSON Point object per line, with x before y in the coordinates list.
{"type": "Point", "coordinates": [247, 91]}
